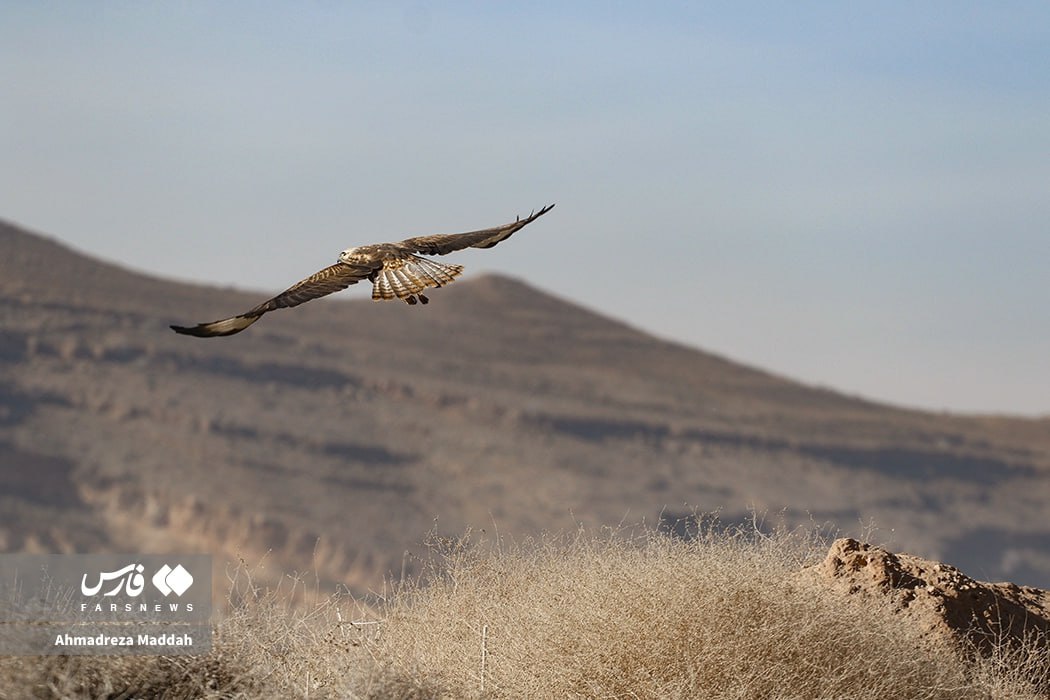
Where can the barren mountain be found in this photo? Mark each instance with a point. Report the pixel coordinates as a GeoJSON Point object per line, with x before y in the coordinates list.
{"type": "Point", "coordinates": [336, 435]}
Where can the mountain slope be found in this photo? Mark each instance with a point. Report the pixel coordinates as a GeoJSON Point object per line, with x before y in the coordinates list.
{"type": "Point", "coordinates": [335, 435]}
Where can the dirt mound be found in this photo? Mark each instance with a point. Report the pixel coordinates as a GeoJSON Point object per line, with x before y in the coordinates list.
{"type": "Point", "coordinates": [949, 607]}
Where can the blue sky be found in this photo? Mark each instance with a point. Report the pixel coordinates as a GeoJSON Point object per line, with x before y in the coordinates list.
{"type": "Point", "coordinates": [855, 196]}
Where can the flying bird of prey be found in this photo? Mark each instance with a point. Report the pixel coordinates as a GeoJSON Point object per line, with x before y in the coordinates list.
{"type": "Point", "coordinates": [394, 269]}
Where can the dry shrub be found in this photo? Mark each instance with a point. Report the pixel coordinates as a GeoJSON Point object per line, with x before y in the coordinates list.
{"type": "Point", "coordinates": [612, 615]}
{"type": "Point", "coordinates": [585, 616]}
{"type": "Point", "coordinates": [1013, 671]}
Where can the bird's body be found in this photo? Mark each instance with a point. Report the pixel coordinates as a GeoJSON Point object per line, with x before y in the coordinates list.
{"type": "Point", "coordinates": [396, 270]}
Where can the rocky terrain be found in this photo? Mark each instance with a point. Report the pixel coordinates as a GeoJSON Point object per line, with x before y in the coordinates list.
{"type": "Point", "coordinates": [953, 611]}
{"type": "Point", "coordinates": [334, 437]}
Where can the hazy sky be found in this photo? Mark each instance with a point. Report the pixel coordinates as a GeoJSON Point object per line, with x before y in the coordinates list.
{"type": "Point", "coordinates": [854, 195]}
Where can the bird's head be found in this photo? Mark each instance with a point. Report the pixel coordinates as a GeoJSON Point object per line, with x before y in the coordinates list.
{"type": "Point", "coordinates": [348, 255]}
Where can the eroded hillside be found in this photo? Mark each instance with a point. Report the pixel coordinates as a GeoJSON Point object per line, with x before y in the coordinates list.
{"type": "Point", "coordinates": [336, 436]}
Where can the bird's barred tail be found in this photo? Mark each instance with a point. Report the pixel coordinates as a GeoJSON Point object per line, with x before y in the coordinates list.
{"type": "Point", "coordinates": [405, 279]}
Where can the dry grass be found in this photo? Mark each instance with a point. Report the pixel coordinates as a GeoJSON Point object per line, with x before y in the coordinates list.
{"type": "Point", "coordinates": [657, 618]}
{"type": "Point", "coordinates": [612, 615]}
{"type": "Point", "coordinates": [1014, 672]}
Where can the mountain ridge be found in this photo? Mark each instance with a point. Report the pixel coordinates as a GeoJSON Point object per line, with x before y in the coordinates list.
{"type": "Point", "coordinates": [335, 434]}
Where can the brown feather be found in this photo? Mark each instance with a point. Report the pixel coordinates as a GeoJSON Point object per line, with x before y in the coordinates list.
{"type": "Point", "coordinates": [444, 243]}
{"type": "Point", "coordinates": [322, 283]}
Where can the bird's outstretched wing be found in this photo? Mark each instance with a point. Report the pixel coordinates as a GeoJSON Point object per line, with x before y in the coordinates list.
{"type": "Point", "coordinates": [331, 279]}
{"type": "Point", "coordinates": [442, 243]}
